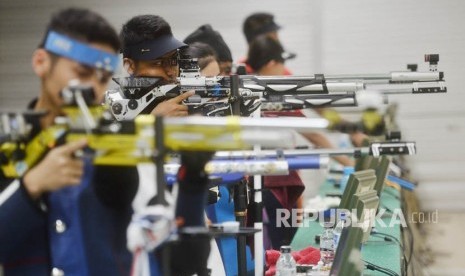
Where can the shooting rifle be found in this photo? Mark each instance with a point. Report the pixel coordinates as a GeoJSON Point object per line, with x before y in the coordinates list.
{"type": "Point", "coordinates": [218, 96]}
{"type": "Point", "coordinates": [127, 142]}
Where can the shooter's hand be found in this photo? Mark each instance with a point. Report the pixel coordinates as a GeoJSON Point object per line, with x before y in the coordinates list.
{"type": "Point", "coordinates": [173, 107]}
{"type": "Point", "coordinates": [58, 169]}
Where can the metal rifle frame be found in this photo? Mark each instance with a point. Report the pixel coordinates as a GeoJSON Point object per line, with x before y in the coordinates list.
{"type": "Point", "coordinates": [240, 190]}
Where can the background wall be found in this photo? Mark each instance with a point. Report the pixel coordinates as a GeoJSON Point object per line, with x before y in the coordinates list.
{"type": "Point", "coordinates": [331, 37]}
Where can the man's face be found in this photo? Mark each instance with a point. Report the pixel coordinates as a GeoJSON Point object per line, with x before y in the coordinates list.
{"type": "Point", "coordinates": [62, 70]}
{"type": "Point", "coordinates": [165, 67]}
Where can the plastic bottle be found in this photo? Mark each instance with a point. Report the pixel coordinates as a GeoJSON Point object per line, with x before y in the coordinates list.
{"type": "Point", "coordinates": [327, 244]}
{"type": "Point", "coordinates": [347, 171]}
{"type": "Point", "coordinates": [344, 141]}
{"type": "Point", "coordinates": [319, 269]}
{"type": "Point", "coordinates": [341, 224]}
{"type": "Point", "coordinates": [286, 265]}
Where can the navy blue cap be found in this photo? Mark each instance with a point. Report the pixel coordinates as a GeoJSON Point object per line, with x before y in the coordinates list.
{"type": "Point", "coordinates": [153, 49]}
{"type": "Point", "coordinates": [257, 24]}
{"type": "Point", "coordinates": [266, 28]}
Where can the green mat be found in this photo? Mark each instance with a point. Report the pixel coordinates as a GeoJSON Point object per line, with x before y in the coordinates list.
{"type": "Point", "coordinates": [376, 250]}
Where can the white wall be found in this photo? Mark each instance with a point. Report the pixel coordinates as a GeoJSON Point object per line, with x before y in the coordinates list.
{"type": "Point", "coordinates": [379, 36]}
{"type": "Point", "coordinates": [331, 37]}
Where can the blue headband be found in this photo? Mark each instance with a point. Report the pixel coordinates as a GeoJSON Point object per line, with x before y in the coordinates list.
{"type": "Point", "coordinates": [67, 47]}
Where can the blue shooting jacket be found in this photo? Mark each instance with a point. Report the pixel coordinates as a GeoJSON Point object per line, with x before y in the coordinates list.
{"type": "Point", "coordinates": [81, 230]}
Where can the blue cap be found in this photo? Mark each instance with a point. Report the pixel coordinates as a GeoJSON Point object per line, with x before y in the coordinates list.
{"type": "Point", "coordinates": [153, 49]}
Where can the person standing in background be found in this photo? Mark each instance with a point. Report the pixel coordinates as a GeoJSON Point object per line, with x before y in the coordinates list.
{"type": "Point", "coordinates": [265, 57]}
{"type": "Point", "coordinates": [263, 24]}
{"type": "Point", "coordinates": [206, 34]}
{"type": "Point", "coordinates": [206, 56]}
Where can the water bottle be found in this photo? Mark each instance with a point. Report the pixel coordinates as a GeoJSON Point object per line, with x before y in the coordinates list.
{"type": "Point", "coordinates": [345, 177]}
{"type": "Point", "coordinates": [286, 265]}
{"type": "Point", "coordinates": [319, 269]}
{"type": "Point", "coordinates": [344, 141]}
{"type": "Point", "coordinates": [341, 224]}
{"type": "Point", "coordinates": [327, 244]}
